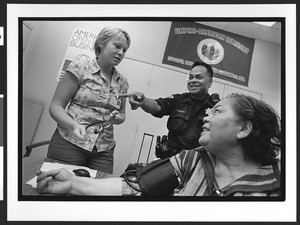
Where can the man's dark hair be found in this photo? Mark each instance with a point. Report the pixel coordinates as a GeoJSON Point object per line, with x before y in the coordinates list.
{"type": "Point", "coordinates": [208, 67]}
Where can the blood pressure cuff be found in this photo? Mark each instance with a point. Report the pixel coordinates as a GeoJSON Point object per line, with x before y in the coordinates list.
{"type": "Point", "coordinates": [154, 179]}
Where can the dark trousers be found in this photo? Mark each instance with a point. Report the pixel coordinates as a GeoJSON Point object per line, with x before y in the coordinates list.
{"type": "Point", "coordinates": [65, 151]}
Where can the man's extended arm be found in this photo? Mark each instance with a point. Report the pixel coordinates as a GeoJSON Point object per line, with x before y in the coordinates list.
{"type": "Point", "coordinates": [149, 105]}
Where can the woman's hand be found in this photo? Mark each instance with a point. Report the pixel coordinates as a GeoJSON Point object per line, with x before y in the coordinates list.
{"type": "Point", "coordinates": [79, 132]}
{"type": "Point", "coordinates": [117, 118]}
{"type": "Point", "coordinates": [55, 181]}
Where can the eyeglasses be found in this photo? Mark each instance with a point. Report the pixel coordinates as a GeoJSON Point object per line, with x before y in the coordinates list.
{"type": "Point", "coordinates": [194, 76]}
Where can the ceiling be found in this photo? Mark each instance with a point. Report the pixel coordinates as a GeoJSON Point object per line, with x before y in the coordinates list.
{"type": "Point", "coordinates": [252, 30]}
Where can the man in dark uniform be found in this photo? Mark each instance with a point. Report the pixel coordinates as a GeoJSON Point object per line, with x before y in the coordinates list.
{"type": "Point", "coordinates": [186, 111]}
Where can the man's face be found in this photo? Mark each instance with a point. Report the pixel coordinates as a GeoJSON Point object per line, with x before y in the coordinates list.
{"type": "Point", "coordinates": [199, 81]}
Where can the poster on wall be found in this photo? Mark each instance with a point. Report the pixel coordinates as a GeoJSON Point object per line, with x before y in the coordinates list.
{"type": "Point", "coordinates": [80, 49]}
{"type": "Point", "coordinates": [229, 54]}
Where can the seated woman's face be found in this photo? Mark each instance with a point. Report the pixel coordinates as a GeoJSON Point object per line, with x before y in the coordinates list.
{"type": "Point", "coordinates": [220, 127]}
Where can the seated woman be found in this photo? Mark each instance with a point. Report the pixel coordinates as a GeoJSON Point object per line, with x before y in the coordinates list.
{"type": "Point", "coordinates": [240, 142]}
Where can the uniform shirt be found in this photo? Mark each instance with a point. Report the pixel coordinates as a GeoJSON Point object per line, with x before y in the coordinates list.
{"type": "Point", "coordinates": [185, 119]}
{"type": "Point", "coordinates": [94, 100]}
{"type": "Point", "coordinates": [195, 169]}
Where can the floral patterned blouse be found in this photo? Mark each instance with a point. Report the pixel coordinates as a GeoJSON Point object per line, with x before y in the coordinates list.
{"type": "Point", "coordinates": [93, 102]}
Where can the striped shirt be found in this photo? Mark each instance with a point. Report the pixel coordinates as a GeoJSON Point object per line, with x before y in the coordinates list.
{"type": "Point", "coordinates": [196, 171]}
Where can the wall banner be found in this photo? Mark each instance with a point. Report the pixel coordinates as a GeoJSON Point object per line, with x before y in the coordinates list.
{"type": "Point", "coordinates": [229, 54]}
{"type": "Point", "coordinates": [80, 48]}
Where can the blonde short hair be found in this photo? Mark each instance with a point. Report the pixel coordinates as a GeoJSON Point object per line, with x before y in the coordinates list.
{"type": "Point", "coordinates": [107, 33]}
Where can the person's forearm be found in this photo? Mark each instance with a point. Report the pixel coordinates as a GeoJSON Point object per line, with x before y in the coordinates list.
{"type": "Point", "coordinates": [150, 106]}
{"type": "Point", "coordinates": [88, 186]}
{"type": "Point", "coordinates": [61, 117]}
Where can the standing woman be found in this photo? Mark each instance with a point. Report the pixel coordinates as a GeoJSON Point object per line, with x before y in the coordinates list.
{"type": "Point", "coordinates": [89, 91]}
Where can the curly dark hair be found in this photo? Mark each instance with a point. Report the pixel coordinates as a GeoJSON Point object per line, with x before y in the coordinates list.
{"type": "Point", "coordinates": [264, 142]}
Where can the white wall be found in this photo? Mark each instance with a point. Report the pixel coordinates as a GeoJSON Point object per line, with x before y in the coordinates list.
{"type": "Point", "coordinates": [265, 72]}
{"type": "Point", "coordinates": [142, 67]}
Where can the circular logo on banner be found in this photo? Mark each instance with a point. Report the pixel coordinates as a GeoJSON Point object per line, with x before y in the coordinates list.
{"type": "Point", "coordinates": [210, 51]}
